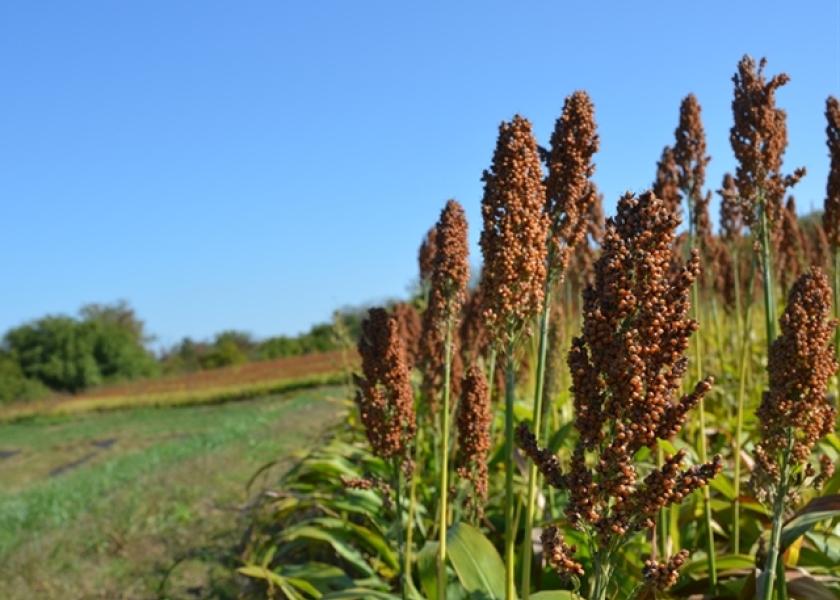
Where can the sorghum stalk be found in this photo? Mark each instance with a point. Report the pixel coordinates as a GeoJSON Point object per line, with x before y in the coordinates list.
{"type": "Point", "coordinates": [739, 418]}
{"type": "Point", "coordinates": [570, 196]}
{"type": "Point", "coordinates": [447, 294]}
{"type": "Point", "coordinates": [510, 533]}
{"type": "Point", "coordinates": [404, 568]}
{"type": "Point", "coordinates": [513, 241]}
{"type": "Point", "coordinates": [444, 471]}
{"type": "Point", "coordinates": [533, 475]}
{"type": "Point", "coordinates": [795, 413]}
{"type": "Point", "coordinates": [690, 160]}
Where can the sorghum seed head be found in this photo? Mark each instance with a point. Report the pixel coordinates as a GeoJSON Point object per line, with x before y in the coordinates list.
{"type": "Point", "coordinates": [831, 215]}
{"type": "Point", "coordinates": [384, 394]}
{"type": "Point", "coordinates": [759, 139]}
{"type": "Point", "coordinates": [569, 191]}
{"type": "Point", "coordinates": [515, 232]}
{"type": "Point", "coordinates": [474, 418]}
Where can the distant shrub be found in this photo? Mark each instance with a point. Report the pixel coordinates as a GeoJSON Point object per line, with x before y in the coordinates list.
{"type": "Point", "coordinates": [14, 386]}
{"type": "Point", "coordinates": [67, 354]}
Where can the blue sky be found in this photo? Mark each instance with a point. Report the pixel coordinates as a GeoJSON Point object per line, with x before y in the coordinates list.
{"type": "Point", "coordinates": [254, 165]}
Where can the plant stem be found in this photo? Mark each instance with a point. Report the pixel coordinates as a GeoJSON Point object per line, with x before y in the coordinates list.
{"type": "Point", "coordinates": [533, 478]}
{"type": "Point", "coordinates": [444, 462]}
{"type": "Point", "coordinates": [739, 427]}
{"type": "Point", "coordinates": [603, 571]}
{"type": "Point", "coordinates": [707, 503]}
{"type": "Point", "coordinates": [698, 345]}
{"type": "Point", "coordinates": [510, 533]}
{"type": "Point", "coordinates": [837, 307]}
{"type": "Point", "coordinates": [412, 508]}
{"type": "Point", "coordinates": [767, 273]}
{"type": "Point", "coordinates": [770, 564]}
{"type": "Point", "coordinates": [403, 570]}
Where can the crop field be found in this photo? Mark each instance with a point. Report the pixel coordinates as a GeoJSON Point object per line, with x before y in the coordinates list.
{"type": "Point", "coordinates": [632, 408]}
{"type": "Point", "coordinates": [249, 380]}
{"type": "Point", "coordinates": [146, 501]}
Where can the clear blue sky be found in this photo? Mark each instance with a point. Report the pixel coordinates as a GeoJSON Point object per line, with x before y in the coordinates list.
{"type": "Point", "coordinates": [254, 165]}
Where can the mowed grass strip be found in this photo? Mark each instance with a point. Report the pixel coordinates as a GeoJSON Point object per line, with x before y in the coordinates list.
{"type": "Point", "coordinates": [103, 504]}
{"type": "Point", "coordinates": [240, 382]}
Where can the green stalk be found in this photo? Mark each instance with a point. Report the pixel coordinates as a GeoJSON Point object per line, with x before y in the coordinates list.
{"type": "Point", "coordinates": [770, 572]}
{"type": "Point", "coordinates": [444, 455]}
{"type": "Point", "coordinates": [707, 502]}
{"type": "Point", "coordinates": [767, 272]}
{"type": "Point", "coordinates": [603, 574]}
{"type": "Point", "coordinates": [533, 477]}
{"type": "Point", "coordinates": [698, 345]}
{"type": "Point", "coordinates": [510, 532]}
{"type": "Point", "coordinates": [400, 546]}
{"type": "Point", "coordinates": [739, 427]}
{"type": "Point", "coordinates": [412, 508]}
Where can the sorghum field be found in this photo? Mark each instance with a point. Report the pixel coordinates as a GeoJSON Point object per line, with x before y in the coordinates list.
{"type": "Point", "coordinates": [630, 407]}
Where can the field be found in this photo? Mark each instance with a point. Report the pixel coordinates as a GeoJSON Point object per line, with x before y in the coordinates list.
{"type": "Point", "coordinates": [132, 503]}
{"type": "Point", "coordinates": [249, 380]}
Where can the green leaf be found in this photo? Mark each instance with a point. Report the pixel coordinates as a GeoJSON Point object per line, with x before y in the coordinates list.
{"type": "Point", "coordinates": [427, 568]}
{"type": "Point", "coordinates": [313, 533]}
{"type": "Point", "coordinates": [818, 509]}
{"type": "Point", "coordinates": [727, 562]}
{"type": "Point", "coordinates": [554, 595]}
{"type": "Point", "coordinates": [476, 562]}
{"type": "Point", "coordinates": [324, 577]}
{"type": "Point", "coordinates": [359, 594]}
{"type": "Point", "coordinates": [805, 587]}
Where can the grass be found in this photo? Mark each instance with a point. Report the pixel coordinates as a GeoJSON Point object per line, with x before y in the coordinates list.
{"type": "Point", "coordinates": [105, 504]}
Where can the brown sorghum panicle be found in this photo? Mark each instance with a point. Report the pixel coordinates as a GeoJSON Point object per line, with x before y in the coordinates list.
{"type": "Point", "coordinates": [384, 395]}
{"type": "Point", "coordinates": [474, 418]}
{"type": "Point", "coordinates": [474, 339]}
{"type": "Point", "coordinates": [831, 216]}
{"type": "Point", "coordinates": [627, 368]}
{"type": "Point", "coordinates": [759, 139]}
{"type": "Point", "coordinates": [580, 269]}
{"type": "Point", "coordinates": [569, 192]}
{"type": "Point", "coordinates": [666, 186]}
{"type": "Point", "coordinates": [513, 240]}
{"type": "Point", "coordinates": [815, 244]}
{"type": "Point", "coordinates": [788, 249]}
{"type": "Point", "coordinates": [558, 554]}
{"type": "Point", "coordinates": [451, 271]}
{"type": "Point", "coordinates": [691, 160]}
{"type": "Point", "coordinates": [447, 292]}
{"type": "Point", "coordinates": [410, 330]}
{"type": "Point", "coordinates": [663, 575]}
{"type": "Point", "coordinates": [800, 365]}
{"type": "Point", "coordinates": [426, 256]}
{"type": "Point", "coordinates": [731, 219]}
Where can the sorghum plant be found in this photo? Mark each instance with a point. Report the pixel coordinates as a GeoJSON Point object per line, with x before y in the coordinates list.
{"type": "Point", "coordinates": [690, 159]}
{"type": "Point", "coordinates": [474, 418]}
{"type": "Point", "coordinates": [386, 403]}
{"type": "Point", "coordinates": [831, 214]}
{"type": "Point", "coordinates": [450, 274]}
{"type": "Point", "coordinates": [570, 197]}
{"type": "Point", "coordinates": [514, 244]}
{"type": "Point", "coordinates": [627, 367]}
{"type": "Point", "coordinates": [794, 412]}
{"type": "Point", "coordinates": [666, 185]}
{"type": "Point", "coordinates": [759, 139]}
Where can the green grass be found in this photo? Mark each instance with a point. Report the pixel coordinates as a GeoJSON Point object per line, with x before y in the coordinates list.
{"type": "Point", "coordinates": [79, 520]}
